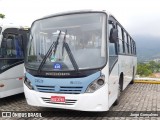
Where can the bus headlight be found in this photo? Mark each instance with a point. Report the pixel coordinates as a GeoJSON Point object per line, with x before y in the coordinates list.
{"type": "Point", "coordinates": [100, 81]}
{"type": "Point", "coordinates": [96, 84]}
{"type": "Point", "coordinates": [28, 84]}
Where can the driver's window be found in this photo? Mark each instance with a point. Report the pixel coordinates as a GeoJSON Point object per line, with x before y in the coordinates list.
{"type": "Point", "coordinates": [112, 48]}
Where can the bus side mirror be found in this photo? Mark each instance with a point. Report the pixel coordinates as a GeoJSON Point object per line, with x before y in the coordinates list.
{"type": "Point", "coordinates": [113, 35]}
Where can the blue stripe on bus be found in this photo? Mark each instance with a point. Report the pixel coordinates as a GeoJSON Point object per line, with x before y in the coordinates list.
{"type": "Point", "coordinates": [62, 85]}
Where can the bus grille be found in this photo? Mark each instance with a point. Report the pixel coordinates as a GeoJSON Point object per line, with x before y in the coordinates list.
{"type": "Point", "coordinates": [61, 89]}
{"type": "Point", "coordinates": [67, 102]}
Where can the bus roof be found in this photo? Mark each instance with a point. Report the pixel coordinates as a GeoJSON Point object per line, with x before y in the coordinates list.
{"type": "Point", "coordinates": [79, 11]}
{"type": "Point", "coordinates": [74, 12]}
{"type": "Point", "coordinates": [5, 26]}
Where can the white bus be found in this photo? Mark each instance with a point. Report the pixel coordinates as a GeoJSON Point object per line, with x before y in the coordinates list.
{"type": "Point", "coordinates": [12, 41]}
{"type": "Point", "coordinates": [78, 60]}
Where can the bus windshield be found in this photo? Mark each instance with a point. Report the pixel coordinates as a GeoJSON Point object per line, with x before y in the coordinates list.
{"type": "Point", "coordinates": [68, 42]}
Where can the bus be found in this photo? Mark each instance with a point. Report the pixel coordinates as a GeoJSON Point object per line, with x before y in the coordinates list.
{"type": "Point", "coordinates": [79, 60]}
{"type": "Point", "coordinates": [12, 42]}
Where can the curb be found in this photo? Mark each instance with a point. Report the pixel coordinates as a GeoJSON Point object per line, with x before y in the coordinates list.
{"type": "Point", "coordinates": [147, 81]}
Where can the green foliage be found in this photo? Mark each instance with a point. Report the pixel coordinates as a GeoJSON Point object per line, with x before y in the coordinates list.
{"type": "Point", "coordinates": [143, 70]}
{"type": "Point", "coordinates": [2, 16]}
{"type": "Point", "coordinates": [146, 69]}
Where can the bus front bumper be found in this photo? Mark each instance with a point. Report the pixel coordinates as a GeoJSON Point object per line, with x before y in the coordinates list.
{"type": "Point", "coordinates": [97, 101]}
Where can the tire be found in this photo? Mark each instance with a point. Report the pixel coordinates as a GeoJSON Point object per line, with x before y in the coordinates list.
{"type": "Point", "coordinates": [132, 81]}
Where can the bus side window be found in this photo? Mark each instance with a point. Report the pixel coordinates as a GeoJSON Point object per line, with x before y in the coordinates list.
{"type": "Point", "coordinates": [112, 50]}
{"type": "Point", "coordinates": [128, 43]}
{"type": "Point", "coordinates": [10, 47]}
{"type": "Point", "coordinates": [121, 42]}
{"type": "Point", "coordinates": [18, 47]}
{"type": "Point", "coordinates": [131, 44]}
{"type": "Point", "coordinates": [134, 48]}
{"type": "Point", "coordinates": [3, 47]}
{"type": "Point", "coordinates": [125, 41]}
{"type": "Point", "coordinates": [112, 47]}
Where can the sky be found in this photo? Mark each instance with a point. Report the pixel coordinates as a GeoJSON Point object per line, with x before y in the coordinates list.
{"type": "Point", "coordinates": [139, 17]}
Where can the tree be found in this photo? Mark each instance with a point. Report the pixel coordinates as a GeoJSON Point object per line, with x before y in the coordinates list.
{"type": "Point", "coordinates": [154, 66]}
{"type": "Point", "coordinates": [144, 69]}
{"type": "Point", "coordinates": [2, 16]}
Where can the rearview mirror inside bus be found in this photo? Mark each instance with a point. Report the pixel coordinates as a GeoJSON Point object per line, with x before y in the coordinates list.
{"type": "Point", "coordinates": [113, 35]}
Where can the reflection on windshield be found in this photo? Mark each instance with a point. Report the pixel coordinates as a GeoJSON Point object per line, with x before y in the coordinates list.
{"type": "Point", "coordinates": [53, 45]}
{"type": "Point", "coordinates": [84, 39]}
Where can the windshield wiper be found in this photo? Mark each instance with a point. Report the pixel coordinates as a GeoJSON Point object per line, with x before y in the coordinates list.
{"type": "Point", "coordinates": [71, 57]}
{"type": "Point", "coordinates": [54, 44]}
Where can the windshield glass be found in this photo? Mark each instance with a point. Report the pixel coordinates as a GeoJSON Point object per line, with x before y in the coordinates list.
{"type": "Point", "coordinates": [68, 42]}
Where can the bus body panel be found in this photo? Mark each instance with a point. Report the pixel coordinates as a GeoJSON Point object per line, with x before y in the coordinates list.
{"type": "Point", "coordinates": [126, 64]}
{"type": "Point", "coordinates": [12, 81]}
{"type": "Point", "coordinates": [113, 81]}
{"type": "Point", "coordinates": [60, 85]}
{"type": "Point", "coordinates": [96, 101]}
{"type": "Point", "coordinates": [13, 91]}
{"type": "Point", "coordinates": [12, 65]}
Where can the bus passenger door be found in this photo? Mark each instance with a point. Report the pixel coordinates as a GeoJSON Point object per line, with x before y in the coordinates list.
{"type": "Point", "coordinates": [113, 68]}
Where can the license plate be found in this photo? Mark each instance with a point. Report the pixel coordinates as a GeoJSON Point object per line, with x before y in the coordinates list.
{"type": "Point", "coordinates": [58, 99]}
